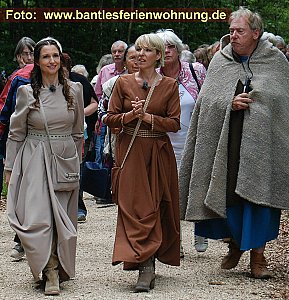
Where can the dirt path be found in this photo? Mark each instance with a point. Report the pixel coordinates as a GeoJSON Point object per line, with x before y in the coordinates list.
{"type": "Point", "coordinates": [198, 277]}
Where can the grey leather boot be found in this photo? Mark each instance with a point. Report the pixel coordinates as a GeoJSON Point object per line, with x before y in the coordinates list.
{"type": "Point", "coordinates": [146, 278]}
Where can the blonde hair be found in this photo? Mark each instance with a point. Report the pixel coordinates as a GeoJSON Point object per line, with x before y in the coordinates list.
{"type": "Point", "coordinates": [152, 40]}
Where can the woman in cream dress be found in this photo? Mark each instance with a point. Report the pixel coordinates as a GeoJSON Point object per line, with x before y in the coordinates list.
{"type": "Point", "coordinates": [44, 219]}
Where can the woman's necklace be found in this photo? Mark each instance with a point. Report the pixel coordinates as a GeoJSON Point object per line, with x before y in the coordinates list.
{"type": "Point", "coordinates": [52, 86]}
{"type": "Point", "coordinates": [145, 85]}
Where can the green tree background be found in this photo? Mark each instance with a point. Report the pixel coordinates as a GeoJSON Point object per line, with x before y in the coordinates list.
{"type": "Point", "coordinates": [87, 42]}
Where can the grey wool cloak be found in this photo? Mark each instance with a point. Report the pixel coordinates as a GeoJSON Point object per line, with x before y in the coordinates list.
{"type": "Point", "coordinates": [263, 176]}
{"type": "Point", "coordinates": [35, 211]}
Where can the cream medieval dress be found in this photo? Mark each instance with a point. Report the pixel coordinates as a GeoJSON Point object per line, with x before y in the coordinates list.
{"type": "Point", "coordinates": [35, 211]}
{"type": "Point", "coordinates": [148, 204]}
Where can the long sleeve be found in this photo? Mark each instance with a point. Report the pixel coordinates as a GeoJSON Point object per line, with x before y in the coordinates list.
{"type": "Point", "coordinates": [8, 95]}
{"type": "Point", "coordinates": [200, 71]}
{"type": "Point", "coordinates": [78, 126]}
{"type": "Point", "coordinates": [98, 85]}
{"type": "Point", "coordinates": [171, 122]}
{"type": "Point", "coordinates": [115, 106]}
{"type": "Point", "coordinates": [164, 104]}
{"type": "Point", "coordinates": [107, 91]}
{"type": "Point", "coordinates": [18, 127]}
{"type": "Point", "coordinates": [102, 107]}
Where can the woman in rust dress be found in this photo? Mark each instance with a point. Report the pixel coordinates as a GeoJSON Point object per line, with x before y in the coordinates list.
{"type": "Point", "coordinates": [148, 225]}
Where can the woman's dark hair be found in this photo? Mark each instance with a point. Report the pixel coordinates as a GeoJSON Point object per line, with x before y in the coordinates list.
{"type": "Point", "coordinates": [126, 50]}
{"type": "Point", "coordinates": [202, 57]}
{"type": "Point", "coordinates": [36, 76]}
{"type": "Point", "coordinates": [66, 61]}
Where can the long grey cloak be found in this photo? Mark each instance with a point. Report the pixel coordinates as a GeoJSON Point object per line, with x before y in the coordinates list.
{"type": "Point", "coordinates": [263, 175]}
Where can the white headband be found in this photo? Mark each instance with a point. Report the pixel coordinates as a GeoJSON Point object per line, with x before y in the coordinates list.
{"type": "Point", "coordinates": [51, 39]}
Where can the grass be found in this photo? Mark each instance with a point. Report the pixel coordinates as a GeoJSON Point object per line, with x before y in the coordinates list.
{"type": "Point", "coordinates": [4, 189]}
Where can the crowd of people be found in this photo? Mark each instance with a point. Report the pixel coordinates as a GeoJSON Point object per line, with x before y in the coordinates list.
{"type": "Point", "coordinates": [200, 136]}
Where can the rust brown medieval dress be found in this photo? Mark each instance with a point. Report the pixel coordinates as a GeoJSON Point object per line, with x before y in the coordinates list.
{"type": "Point", "coordinates": [148, 220]}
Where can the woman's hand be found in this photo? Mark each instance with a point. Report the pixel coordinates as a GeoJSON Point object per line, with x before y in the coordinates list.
{"type": "Point", "coordinates": [20, 61]}
{"type": "Point", "coordinates": [137, 107]}
{"type": "Point", "coordinates": [241, 101]}
{"type": "Point", "coordinates": [7, 176]}
{"type": "Point", "coordinates": [137, 112]}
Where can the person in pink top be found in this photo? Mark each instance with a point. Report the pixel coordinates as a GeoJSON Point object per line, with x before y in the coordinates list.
{"type": "Point", "coordinates": [111, 70]}
{"type": "Point", "coordinates": [107, 72]}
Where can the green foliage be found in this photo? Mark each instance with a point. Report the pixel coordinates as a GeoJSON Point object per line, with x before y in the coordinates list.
{"type": "Point", "coordinates": [3, 4]}
{"type": "Point", "coordinates": [87, 42]}
{"type": "Point", "coordinates": [4, 189]}
{"type": "Point", "coordinates": [275, 15]}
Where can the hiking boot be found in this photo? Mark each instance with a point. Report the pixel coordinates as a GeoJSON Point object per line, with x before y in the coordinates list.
{"type": "Point", "coordinates": [17, 252]}
{"type": "Point", "coordinates": [81, 216]}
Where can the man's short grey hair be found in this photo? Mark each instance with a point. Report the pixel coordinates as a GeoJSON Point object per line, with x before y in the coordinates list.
{"type": "Point", "coordinates": [169, 37]}
{"type": "Point", "coordinates": [254, 19]}
{"type": "Point", "coordinates": [117, 43]}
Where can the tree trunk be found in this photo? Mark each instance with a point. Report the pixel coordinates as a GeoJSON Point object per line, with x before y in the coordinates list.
{"type": "Point", "coordinates": [130, 23]}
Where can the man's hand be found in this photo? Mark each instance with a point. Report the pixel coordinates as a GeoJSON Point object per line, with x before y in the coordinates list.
{"type": "Point", "coordinates": [241, 101]}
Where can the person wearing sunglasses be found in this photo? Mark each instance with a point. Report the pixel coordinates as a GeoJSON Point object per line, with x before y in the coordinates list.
{"type": "Point", "coordinates": [188, 91]}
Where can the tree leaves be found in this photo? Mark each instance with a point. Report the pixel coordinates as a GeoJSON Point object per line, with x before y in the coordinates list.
{"type": "Point", "coordinates": [87, 42]}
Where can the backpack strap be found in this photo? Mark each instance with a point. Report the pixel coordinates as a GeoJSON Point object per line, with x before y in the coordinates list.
{"type": "Point", "coordinates": [194, 75]}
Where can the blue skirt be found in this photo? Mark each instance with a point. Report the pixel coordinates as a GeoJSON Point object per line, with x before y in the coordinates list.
{"type": "Point", "coordinates": [250, 225]}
